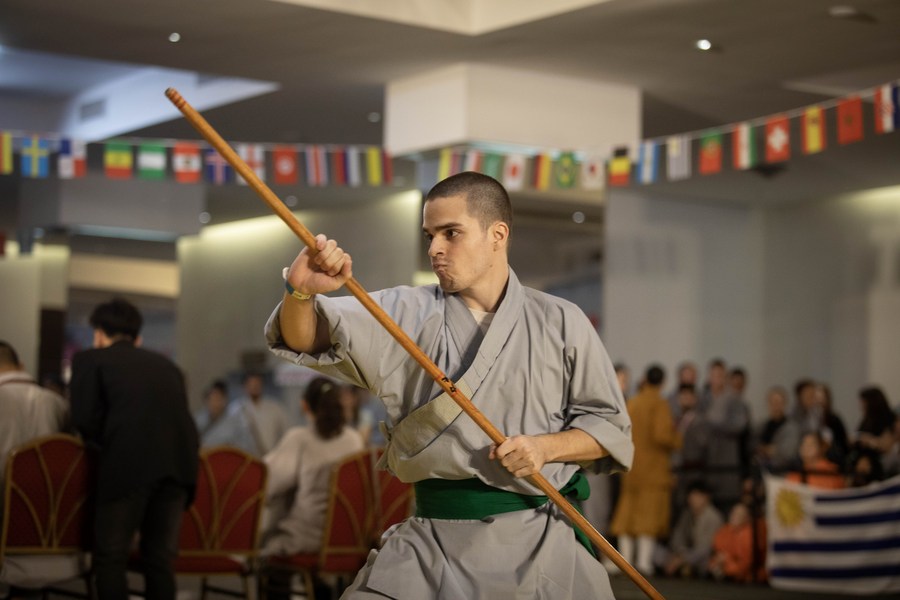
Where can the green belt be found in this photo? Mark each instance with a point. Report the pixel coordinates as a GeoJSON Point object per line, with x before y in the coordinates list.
{"type": "Point", "coordinates": [474, 499]}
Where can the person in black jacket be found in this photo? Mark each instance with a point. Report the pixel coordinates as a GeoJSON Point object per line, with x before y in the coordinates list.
{"type": "Point", "coordinates": [131, 404]}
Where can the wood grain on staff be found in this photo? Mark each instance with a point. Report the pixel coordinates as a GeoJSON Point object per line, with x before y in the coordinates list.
{"type": "Point", "coordinates": [275, 203]}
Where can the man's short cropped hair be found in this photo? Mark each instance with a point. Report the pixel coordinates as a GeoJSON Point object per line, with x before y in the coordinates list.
{"type": "Point", "coordinates": [8, 355]}
{"type": "Point", "coordinates": [486, 198]}
{"type": "Point", "coordinates": [117, 318]}
{"type": "Point", "coordinates": [655, 375]}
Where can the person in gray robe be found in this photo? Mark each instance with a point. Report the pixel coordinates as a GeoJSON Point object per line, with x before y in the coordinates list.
{"type": "Point", "coordinates": [530, 362]}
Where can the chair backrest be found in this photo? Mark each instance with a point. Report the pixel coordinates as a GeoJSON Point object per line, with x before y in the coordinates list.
{"type": "Point", "coordinates": [48, 497]}
{"type": "Point", "coordinates": [225, 515]}
{"type": "Point", "coordinates": [393, 499]}
{"type": "Point", "coordinates": [348, 519]}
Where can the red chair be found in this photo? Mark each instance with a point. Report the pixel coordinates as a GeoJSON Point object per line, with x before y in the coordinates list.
{"type": "Point", "coordinates": [347, 537]}
{"type": "Point", "coordinates": [47, 500]}
{"type": "Point", "coordinates": [220, 531]}
{"type": "Point", "coordinates": [393, 500]}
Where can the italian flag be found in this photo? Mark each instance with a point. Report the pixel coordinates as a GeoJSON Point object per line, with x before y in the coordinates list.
{"type": "Point", "coordinates": [743, 147]}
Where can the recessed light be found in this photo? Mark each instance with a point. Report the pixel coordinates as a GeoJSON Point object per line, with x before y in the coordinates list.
{"type": "Point", "coordinates": [578, 216]}
{"type": "Point", "coordinates": [174, 37]}
{"type": "Point", "coordinates": [374, 117]}
{"type": "Point", "coordinates": [205, 217]}
{"type": "Point", "coordinates": [291, 201]}
{"type": "Point", "coordinates": [703, 45]}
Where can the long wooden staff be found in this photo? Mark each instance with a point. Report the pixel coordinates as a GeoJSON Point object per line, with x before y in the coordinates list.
{"type": "Point", "coordinates": [216, 141]}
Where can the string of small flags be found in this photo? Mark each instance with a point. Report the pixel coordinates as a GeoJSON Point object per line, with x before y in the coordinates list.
{"type": "Point", "coordinates": [188, 162]}
{"type": "Point", "coordinates": [766, 140]}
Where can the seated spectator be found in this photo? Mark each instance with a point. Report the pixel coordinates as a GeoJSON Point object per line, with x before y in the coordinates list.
{"type": "Point", "coordinates": [690, 545]}
{"type": "Point", "coordinates": [27, 410]}
{"type": "Point", "coordinates": [300, 466]}
{"type": "Point", "coordinates": [222, 425]}
{"type": "Point", "coordinates": [732, 557]}
{"type": "Point", "coordinates": [779, 437]}
{"type": "Point", "coordinates": [816, 470]}
{"type": "Point", "coordinates": [865, 468]}
{"type": "Point", "coordinates": [265, 417]}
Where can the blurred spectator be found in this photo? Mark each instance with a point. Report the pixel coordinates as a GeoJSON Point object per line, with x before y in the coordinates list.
{"type": "Point", "coordinates": [816, 470]}
{"type": "Point", "coordinates": [690, 545]}
{"type": "Point", "coordinates": [265, 418]}
{"type": "Point", "coordinates": [732, 552]}
{"type": "Point", "coordinates": [876, 428]}
{"type": "Point", "coordinates": [623, 375]}
{"type": "Point", "coordinates": [865, 468]}
{"type": "Point", "coordinates": [690, 461]}
{"type": "Point", "coordinates": [728, 418]}
{"type": "Point", "coordinates": [807, 410]}
{"type": "Point", "coordinates": [27, 410]}
{"type": "Point", "coordinates": [643, 509]}
{"type": "Point", "coordinates": [687, 375]}
{"type": "Point", "coordinates": [832, 426]}
{"type": "Point", "coordinates": [779, 437]}
{"type": "Point", "coordinates": [220, 424]}
{"type": "Point", "coordinates": [300, 467]}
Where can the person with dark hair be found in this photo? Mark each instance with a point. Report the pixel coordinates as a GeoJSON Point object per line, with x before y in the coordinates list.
{"type": "Point", "coordinates": [728, 417]}
{"type": "Point", "coordinates": [643, 508]}
{"type": "Point", "coordinates": [689, 461]}
{"type": "Point", "coordinates": [876, 427]}
{"type": "Point", "coordinates": [131, 404]}
{"type": "Point", "coordinates": [532, 363]}
{"type": "Point", "coordinates": [815, 469]}
{"type": "Point", "coordinates": [221, 423]}
{"type": "Point", "coordinates": [690, 545]}
{"type": "Point", "coordinates": [265, 418]}
{"type": "Point", "coordinates": [778, 436]}
{"type": "Point", "coordinates": [832, 427]}
{"type": "Point", "coordinates": [687, 376]}
{"type": "Point", "coordinates": [300, 466]}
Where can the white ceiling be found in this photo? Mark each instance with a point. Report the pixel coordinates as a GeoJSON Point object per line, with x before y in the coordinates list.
{"type": "Point", "coordinates": [331, 67]}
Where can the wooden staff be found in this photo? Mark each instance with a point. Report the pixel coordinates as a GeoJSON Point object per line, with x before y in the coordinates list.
{"type": "Point", "coordinates": [275, 203]}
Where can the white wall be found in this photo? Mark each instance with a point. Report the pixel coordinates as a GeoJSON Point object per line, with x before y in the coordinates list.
{"type": "Point", "coordinates": [231, 275]}
{"type": "Point", "coordinates": [683, 281]}
{"type": "Point", "coordinates": [20, 297]}
{"type": "Point", "coordinates": [803, 289]}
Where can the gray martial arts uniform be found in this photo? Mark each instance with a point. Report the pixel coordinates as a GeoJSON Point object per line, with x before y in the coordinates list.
{"type": "Point", "coordinates": [540, 368]}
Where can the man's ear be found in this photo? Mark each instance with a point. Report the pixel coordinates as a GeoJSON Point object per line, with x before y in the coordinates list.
{"type": "Point", "coordinates": [500, 232]}
{"type": "Point", "coordinates": [138, 341]}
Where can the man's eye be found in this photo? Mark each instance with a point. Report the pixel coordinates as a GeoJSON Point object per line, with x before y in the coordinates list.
{"type": "Point", "coordinates": [452, 233]}
{"type": "Point", "coordinates": [428, 237]}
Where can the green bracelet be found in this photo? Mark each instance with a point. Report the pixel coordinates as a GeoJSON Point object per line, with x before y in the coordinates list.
{"type": "Point", "coordinates": [294, 293]}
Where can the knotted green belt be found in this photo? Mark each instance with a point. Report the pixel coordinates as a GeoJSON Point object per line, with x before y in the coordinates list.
{"type": "Point", "coordinates": [474, 499]}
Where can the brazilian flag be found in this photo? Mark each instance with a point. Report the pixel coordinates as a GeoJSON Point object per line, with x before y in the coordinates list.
{"type": "Point", "coordinates": [566, 168]}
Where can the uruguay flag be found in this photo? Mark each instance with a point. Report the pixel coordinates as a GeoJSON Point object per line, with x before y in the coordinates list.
{"type": "Point", "coordinates": [835, 541]}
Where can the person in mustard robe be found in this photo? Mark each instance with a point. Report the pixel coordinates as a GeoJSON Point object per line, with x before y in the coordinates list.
{"type": "Point", "coordinates": [643, 509]}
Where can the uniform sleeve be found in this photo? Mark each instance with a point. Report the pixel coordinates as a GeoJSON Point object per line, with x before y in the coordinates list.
{"type": "Point", "coordinates": [664, 433]}
{"type": "Point", "coordinates": [345, 316]}
{"type": "Point", "coordinates": [595, 404]}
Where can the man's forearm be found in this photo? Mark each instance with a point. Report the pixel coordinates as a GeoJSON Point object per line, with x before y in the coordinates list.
{"type": "Point", "coordinates": [301, 328]}
{"type": "Point", "coordinates": [572, 445]}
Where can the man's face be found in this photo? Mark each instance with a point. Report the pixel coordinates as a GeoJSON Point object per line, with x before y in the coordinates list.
{"type": "Point", "coordinates": [253, 386]}
{"type": "Point", "coordinates": [461, 252]}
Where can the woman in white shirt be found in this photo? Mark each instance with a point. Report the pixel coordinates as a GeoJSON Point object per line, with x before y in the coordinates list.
{"type": "Point", "coordinates": [300, 466]}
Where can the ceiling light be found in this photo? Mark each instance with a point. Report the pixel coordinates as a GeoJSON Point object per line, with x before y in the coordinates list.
{"type": "Point", "coordinates": [205, 217]}
{"type": "Point", "coordinates": [578, 216]}
{"type": "Point", "coordinates": [291, 201]}
{"type": "Point", "coordinates": [842, 11]}
{"type": "Point", "coordinates": [703, 45]}
{"type": "Point", "coordinates": [174, 37]}
{"type": "Point", "coordinates": [374, 117]}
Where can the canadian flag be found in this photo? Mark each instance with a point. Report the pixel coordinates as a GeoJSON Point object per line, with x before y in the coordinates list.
{"type": "Point", "coordinates": [186, 162]}
{"type": "Point", "coordinates": [514, 172]}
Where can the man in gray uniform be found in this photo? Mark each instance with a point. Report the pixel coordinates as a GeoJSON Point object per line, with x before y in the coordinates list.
{"type": "Point", "coordinates": [533, 365]}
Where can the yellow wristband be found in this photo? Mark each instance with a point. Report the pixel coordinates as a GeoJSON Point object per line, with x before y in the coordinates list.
{"type": "Point", "coordinates": [290, 289]}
